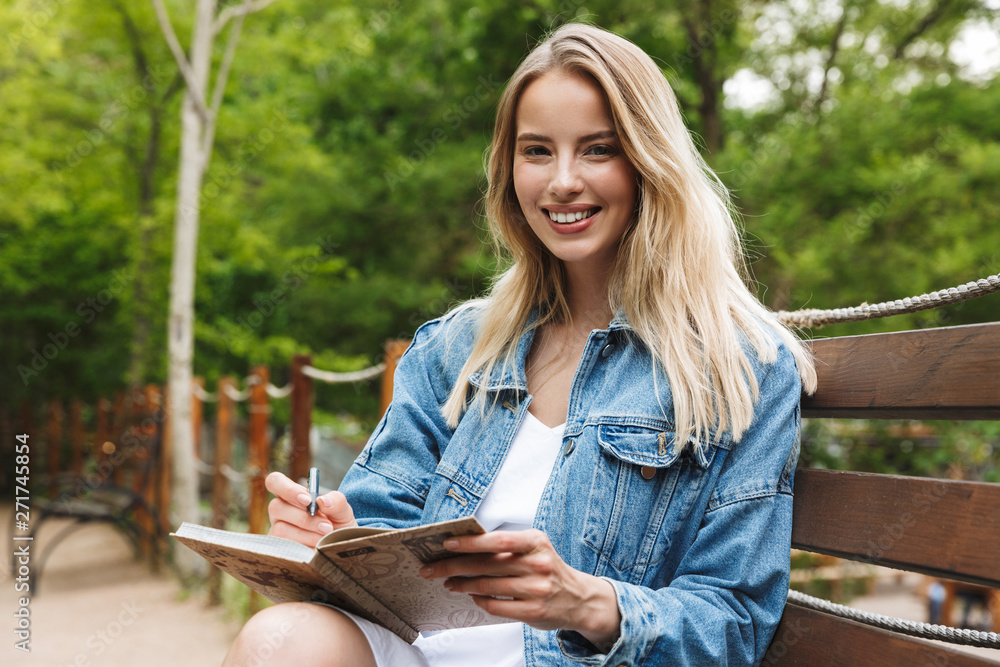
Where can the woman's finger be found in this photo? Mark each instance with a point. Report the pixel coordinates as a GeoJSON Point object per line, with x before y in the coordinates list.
{"type": "Point", "coordinates": [499, 541]}
{"type": "Point", "coordinates": [504, 564]}
{"type": "Point", "coordinates": [295, 533]}
{"type": "Point", "coordinates": [280, 511]}
{"type": "Point", "coordinates": [335, 507]}
{"type": "Point", "coordinates": [332, 506]}
{"type": "Point", "coordinates": [282, 487]}
{"type": "Point", "coordinates": [506, 587]}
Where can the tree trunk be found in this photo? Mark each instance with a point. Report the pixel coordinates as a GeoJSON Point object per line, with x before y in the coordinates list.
{"type": "Point", "coordinates": [144, 165]}
{"type": "Point", "coordinates": [191, 171]}
{"type": "Point", "coordinates": [703, 37]}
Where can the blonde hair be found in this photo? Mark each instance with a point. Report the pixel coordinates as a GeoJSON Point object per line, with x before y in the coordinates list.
{"type": "Point", "coordinates": [679, 272]}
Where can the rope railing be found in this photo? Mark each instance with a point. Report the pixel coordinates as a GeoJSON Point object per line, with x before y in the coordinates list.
{"type": "Point", "coordinates": [234, 475]}
{"type": "Point", "coordinates": [334, 378]}
{"type": "Point", "coordinates": [202, 395]}
{"type": "Point", "coordinates": [235, 395]}
{"type": "Point", "coordinates": [279, 392]}
{"type": "Point", "coordinates": [813, 317]}
{"type": "Point", "coordinates": [203, 468]}
{"type": "Point", "coordinates": [913, 628]}
{"type": "Point", "coordinates": [257, 394]}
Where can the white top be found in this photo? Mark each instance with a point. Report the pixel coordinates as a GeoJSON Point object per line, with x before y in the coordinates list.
{"type": "Point", "coordinates": [509, 504]}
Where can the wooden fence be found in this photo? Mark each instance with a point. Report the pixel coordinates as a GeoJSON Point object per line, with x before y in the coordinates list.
{"type": "Point", "coordinates": [93, 446]}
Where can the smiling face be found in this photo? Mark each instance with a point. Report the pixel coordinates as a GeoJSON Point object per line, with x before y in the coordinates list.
{"type": "Point", "coordinates": [575, 187]}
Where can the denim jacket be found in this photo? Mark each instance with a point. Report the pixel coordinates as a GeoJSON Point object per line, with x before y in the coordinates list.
{"type": "Point", "coordinates": [695, 542]}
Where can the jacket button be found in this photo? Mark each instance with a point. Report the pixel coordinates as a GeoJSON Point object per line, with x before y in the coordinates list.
{"type": "Point", "coordinates": [647, 472]}
{"type": "Point", "coordinates": [568, 447]}
{"type": "Point", "coordinates": [458, 497]}
{"type": "Point", "coordinates": [608, 349]}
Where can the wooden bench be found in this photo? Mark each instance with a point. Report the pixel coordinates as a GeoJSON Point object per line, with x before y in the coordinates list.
{"type": "Point", "coordinates": [119, 486]}
{"type": "Point", "coordinates": [943, 528]}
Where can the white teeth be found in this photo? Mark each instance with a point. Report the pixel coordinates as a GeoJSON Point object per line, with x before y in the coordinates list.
{"type": "Point", "coordinates": [571, 217]}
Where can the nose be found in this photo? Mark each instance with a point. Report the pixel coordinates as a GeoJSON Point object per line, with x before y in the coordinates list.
{"type": "Point", "coordinates": [566, 178]}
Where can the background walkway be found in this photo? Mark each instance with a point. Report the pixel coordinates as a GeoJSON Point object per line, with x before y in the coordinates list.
{"type": "Point", "coordinates": [98, 607]}
{"type": "Point", "coordinates": [898, 594]}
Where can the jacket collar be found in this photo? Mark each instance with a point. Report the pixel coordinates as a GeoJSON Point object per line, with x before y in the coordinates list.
{"type": "Point", "coordinates": [503, 377]}
{"type": "Point", "coordinates": [619, 321]}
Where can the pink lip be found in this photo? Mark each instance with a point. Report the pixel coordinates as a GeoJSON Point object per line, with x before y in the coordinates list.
{"type": "Point", "coordinates": [570, 227]}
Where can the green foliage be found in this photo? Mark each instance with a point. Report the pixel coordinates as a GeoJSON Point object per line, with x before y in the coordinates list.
{"type": "Point", "coordinates": [342, 206]}
{"type": "Point", "coordinates": [949, 449]}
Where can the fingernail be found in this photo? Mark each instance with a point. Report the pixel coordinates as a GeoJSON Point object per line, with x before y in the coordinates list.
{"type": "Point", "coordinates": [304, 499]}
{"type": "Point", "coordinates": [325, 527]}
{"type": "Point", "coordinates": [326, 502]}
{"type": "Point", "coordinates": [451, 544]}
{"type": "Point", "coordinates": [426, 571]}
{"type": "Point", "coordinates": [449, 584]}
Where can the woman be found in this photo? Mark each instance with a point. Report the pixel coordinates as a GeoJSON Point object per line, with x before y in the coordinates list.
{"type": "Point", "coordinates": [621, 411]}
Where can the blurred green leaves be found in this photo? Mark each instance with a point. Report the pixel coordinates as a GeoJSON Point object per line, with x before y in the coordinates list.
{"type": "Point", "coordinates": [343, 203]}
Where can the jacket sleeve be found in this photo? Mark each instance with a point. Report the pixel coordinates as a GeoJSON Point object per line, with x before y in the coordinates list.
{"type": "Point", "coordinates": [388, 483]}
{"type": "Point", "coordinates": [728, 593]}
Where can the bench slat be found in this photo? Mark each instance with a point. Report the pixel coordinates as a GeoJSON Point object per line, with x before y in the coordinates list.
{"type": "Point", "coordinates": [945, 373]}
{"type": "Point", "coordinates": [809, 638]}
{"type": "Point", "coordinates": [939, 527]}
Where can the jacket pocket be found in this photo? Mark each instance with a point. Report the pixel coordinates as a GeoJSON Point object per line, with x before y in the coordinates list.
{"type": "Point", "coordinates": [642, 487]}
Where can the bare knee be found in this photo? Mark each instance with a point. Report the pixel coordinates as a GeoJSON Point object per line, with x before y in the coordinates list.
{"type": "Point", "coordinates": [299, 631]}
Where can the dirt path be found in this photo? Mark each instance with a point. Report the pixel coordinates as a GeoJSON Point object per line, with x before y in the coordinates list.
{"type": "Point", "coordinates": [97, 607]}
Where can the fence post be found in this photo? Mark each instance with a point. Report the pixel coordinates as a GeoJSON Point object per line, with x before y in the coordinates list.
{"type": "Point", "coordinates": [101, 435]}
{"type": "Point", "coordinates": [393, 351]}
{"type": "Point", "coordinates": [220, 483]}
{"type": "Point", "coordinates": [166, 462]}
{"type": "Point", "coordinates": [55, 442]}
{"type": "Point", "coordinates": [197, 411]}
{"type": "Point", "coordinates": [118, 424]}
{"type": "Point", "coordinates": [156, 475]}
{"type": "Point", "coordinates": [27, 423]}
{"type": "Point", "coordinates": [134, 402]}
{"type": "Point", "coordinates": [258, 459]}
{"type": "Point", "coordinates": [76, 435]}
{"type": "Point", "coordinates": [259, 451]}
{"type": "Point", "coordinates": [302, 405]}
{"type": "Point", "coordinates": [6, 430]}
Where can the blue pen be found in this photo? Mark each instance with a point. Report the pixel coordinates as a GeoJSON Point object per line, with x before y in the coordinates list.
{"type": "Point", "coordinates": [313, 489]}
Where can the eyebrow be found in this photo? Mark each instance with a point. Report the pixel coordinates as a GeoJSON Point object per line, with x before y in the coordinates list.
{"type": "Point", "coordinates": [604, 134]}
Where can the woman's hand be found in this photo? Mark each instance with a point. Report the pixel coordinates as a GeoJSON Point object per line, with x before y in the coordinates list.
{"type": "Point", "coordinates": [519, 575]}
{"type": "Point", "coordinates": [289, 511]}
